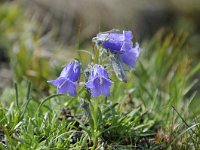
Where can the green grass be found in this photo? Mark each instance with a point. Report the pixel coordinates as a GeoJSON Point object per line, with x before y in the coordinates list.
{"type": "Point", "coordinates": [156, 109]}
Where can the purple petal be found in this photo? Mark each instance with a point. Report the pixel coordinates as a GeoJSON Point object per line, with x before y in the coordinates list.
{"type": "Point", "coordinates": [57, 82]}
{"type": "Point", "coordinates": [98, 70]}
{"type": "Point", "coordinates": [127, 46]}
{"type": "Point", "coordinates": [99, 86]}
{"type": "Point", "coordinates": [110, 36]}
{"type": "Point", "coordinates": [65, 71]}
{"type": "Point", "coordinates": [90, 84]}
{"type": "Point", "coordinates": [128, 36]}
{"type": "Point", "coordinates": [64, 85]}
{"type": "Point", "coordinates": [111, 41]}
{"type": "Point", "coordinates": [71, 71]}
{"type": "Point", "coordinates": [114, 46]}
{"type": "Point", "coordinates": [130, 56]}
{"type": "Point", "coordinates": [116, 42]}
{"type": "Point", "coordinates": [67, 87]}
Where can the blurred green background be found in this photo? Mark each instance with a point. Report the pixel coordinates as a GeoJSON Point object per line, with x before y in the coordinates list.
{"type": "Point", "coordinates": [38, 37]}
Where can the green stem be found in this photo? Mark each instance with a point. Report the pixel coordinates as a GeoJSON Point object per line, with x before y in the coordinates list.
{"type": "Point", "coordinates": [95, 135]}
{"type": "Point", "coordinates": [16, 95]}
{"type": "Point", "coordinates": [94, 142]}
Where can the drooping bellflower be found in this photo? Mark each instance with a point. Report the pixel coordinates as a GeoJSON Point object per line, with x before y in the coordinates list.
{"type": "Point", "coordinates": [116, 42]}
{"type": "Point", "coordinates": [129, 57]}
{"type": "Point", "coordinates": [99, 83]}
{"type": "Point", "coordinates": [68, 79]}
{"type": "Point", "coordinates": [120, 43]}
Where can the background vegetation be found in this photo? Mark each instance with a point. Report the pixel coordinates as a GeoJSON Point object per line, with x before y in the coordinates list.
{"type": "Point", "coordinates": [157, 109]}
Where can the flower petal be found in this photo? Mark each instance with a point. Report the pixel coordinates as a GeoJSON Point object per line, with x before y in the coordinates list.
{"type": "Point", "coordinates": [128, 36]}
{"type": "Point", "coordinates": [71, 71]}
{"type": "Point", "coordinates": [110, 36]}
{"type": "Point", "coordinates": [64, 85]}
{"type": "Point", "coordinates": [111, 41]}
{"type": "Point", "coordinates": [98, 70]}
{"type": "Point", "coordinates": [130, 56]}
{"type": "Point", "coordinates": [90, 84]}
{"type": "Point", "coordinates": [67, 87]}
{"type": "Point", "coordinates": [113, 46]}
{"type": "Point", "coordinates": [99, 86]}
{"type": "Point", "coordinates": [57, 82]}
{"type": "Point", "coordinates": [116, 42]}
{"type": "Point", "coordinates": [126, 46]}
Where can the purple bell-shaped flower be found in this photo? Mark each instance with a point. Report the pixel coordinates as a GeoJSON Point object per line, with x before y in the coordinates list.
{"type": "Point", "coordinates": [68, 79]}
{"type": "Point", "coordinates": [99, 83]}
{"type": "Point", "coordinates": [121, 44]}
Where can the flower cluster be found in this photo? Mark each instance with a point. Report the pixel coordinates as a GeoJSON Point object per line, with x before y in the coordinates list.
{"type": "Point", "coordinates": [119, 46]}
